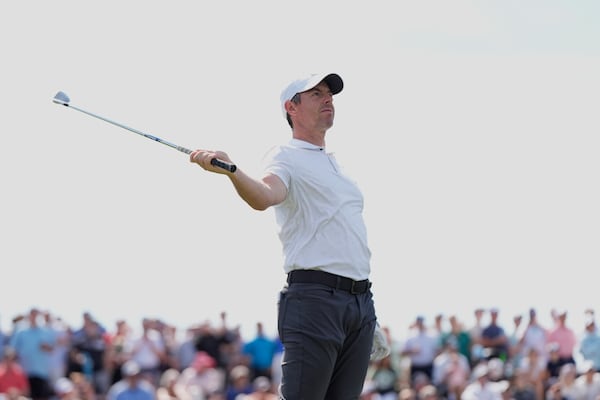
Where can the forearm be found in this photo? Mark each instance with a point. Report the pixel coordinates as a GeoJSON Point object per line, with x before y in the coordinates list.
{"type": "Point", "coordinates": [258, 194]}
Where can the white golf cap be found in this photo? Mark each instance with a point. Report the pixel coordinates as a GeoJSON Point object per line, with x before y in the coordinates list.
{"type": "Point", "coordinates": [130, 368]}
{"type": "Point", "coordinates": [334, 81]}
{"type": "Point", "coordinates": [63, 386]}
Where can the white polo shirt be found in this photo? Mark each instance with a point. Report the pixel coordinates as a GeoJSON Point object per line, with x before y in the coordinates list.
{"type": "Point", "coordinates": [320, 221]}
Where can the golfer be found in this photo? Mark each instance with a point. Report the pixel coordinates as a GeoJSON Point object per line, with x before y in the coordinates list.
{"type": "Point", "coordinates": [326, 317]}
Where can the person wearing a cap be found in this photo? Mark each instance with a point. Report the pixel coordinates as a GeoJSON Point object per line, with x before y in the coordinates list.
{"type": "Point", "coordinates": [566, 338]}
{"type": "Point", "coordinates": [589, 345]}
{"type": "Point", "coordinates": [587, 384]}
{"type": "Point", "coordinates": [326, 312]}
{"type": "Point", "coordinates": [64, 389]}
{"type": "Point", "coordinates": [132, 386]}
{"type": "Point", "coordinates": [262, 390]}
{"type": "Point", "coordinates": [534, 336]}
{"type": "Point", "coordinates": [480, 388]}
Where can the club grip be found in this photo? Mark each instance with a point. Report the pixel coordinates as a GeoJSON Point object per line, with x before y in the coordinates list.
{"type": "Point", "coordinates": [222, 164]}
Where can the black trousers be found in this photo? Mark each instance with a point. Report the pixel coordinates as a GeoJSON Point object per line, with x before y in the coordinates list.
{"type": "Point", "coordinates": [327, 335]}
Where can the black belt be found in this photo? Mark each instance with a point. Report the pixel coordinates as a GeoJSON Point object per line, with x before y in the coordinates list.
{"type": "Point", "coordinates": [331, 280]}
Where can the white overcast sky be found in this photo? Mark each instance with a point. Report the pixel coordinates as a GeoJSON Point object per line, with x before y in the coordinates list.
{"type": "Point", "coordinates": [471, 126]}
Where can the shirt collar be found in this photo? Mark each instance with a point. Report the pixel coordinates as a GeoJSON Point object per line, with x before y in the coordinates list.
{"type": "Point", "coordinates": [305, 145]}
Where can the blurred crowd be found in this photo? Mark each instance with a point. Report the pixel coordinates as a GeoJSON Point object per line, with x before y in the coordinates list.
{"type": "Point", "coordinates": [43, 358]}
{"type": "Point", "coordinates": [489, 361]}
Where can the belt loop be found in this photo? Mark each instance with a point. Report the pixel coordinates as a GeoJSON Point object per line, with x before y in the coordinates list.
{"type": "Point", "coordinates": [338, 282]}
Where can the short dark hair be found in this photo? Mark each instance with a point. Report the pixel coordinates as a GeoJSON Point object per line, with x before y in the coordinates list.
{"type": "Point", "coordinates": [296, 100]}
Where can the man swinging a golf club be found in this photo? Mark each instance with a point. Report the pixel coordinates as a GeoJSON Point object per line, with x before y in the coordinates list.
{"type": "Point", "coordinates": [326, 314]}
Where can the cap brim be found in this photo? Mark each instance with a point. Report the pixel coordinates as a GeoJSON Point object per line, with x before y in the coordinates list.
{"type": "Point", "coordinates": [335, 83]}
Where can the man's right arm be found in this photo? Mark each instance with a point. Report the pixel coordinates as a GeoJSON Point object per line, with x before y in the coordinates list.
{"type": "Point", "coordinates": [259, 194]}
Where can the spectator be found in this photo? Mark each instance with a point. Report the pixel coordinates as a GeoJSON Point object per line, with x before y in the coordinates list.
{"type": "Point", "coordinates": [64, 389]}
{"type": "Point", "coordinates": [421, 348]}
{"type": "Point", "coordinates": [384, 379]}
{"type": "Point", "coordinates": [260, 352]}
{"type": "Point", "coordinates": [480, 388]}
{"type": "Point", "coordinates": [90, 341]}
{"type": "Point", "coordinates": [211, 341]}
{"type": "Point", "coordinates": [79, 362]}
{"type": "Point", "coordinates": [505, 389]}
{"type": "Point", "coordinates": [514, 343]}
{"type": "Point", "coordinates": [420, 380]}
{"type": "Point", "coordinates": [168, 334]}
{"type": "Point", "coordinates": [553, 365]}
{"type": "Point", "coordinates": [587, 385]}
{"type": "Point", "coordinates": [58, 356]}
{"type": "Point", "coordinates": [262, 390]}
{"type": "Point", "coordinates": [229, 343]}
{"type": "Point", "coordinates": [523, 387]}
{"type": "Point", "coordinates": [458, 336]}
{"type": "Point", "coordinates": [203, 378]}
{"type": "Point", "coordinates": [534, 336]}
{"type": "Point", "coordinates": [531, 369]}
{"type": "Point", "coordinates": [148, 351]}
{"type": "Point", "coordinates": [451, 371]}
{"type": "Point", "coordinates": [239, 382]}
{"type": "Point", "coordinates": [494, 339]}
{"type": "Point", "coordinates": [13, 379]}
{"type": "Point", "coordinates": [407, 393]}
{"type": "Point", "coordinates": [565, 337]}
{"type": "Point", "coordinates": [589, 346]}
{"type": "Point", "coordinates": [84, 388]}
{"type": "Point", "coordinates": [33, 345]}
{"type": "Point", "coordinates": [496, 369]}
{"type": "Point", "coordinates": [396, 346]}
{"type": "Point", "coordinates": [186, 350]}
{"type": "Point", "coordinates": [475, 335]}
{"type": "Point", "coordinates": [170, 388]}
{"type": "Point", "coordinates": [133, 386]}
{"type": "Point", "coordinates": [564, 387]}
{"type": "Point", "coordinates": [118, 350]}
{"type": "Point", "coordinates": [428, 392]}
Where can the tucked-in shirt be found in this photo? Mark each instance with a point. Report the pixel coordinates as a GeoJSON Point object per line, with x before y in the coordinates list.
{"type": "Point", "coordinates": [320, 221]}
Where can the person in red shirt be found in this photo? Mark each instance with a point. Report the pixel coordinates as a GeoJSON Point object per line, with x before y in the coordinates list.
{"type": "Point", "coordinates": [13, 379]}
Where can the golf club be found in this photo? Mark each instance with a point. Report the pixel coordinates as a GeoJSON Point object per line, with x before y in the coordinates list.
{"type": "Point", "coordinates": [62, 99]}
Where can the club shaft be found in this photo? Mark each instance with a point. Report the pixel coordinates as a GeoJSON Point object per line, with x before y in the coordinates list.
{"type": "Point", "coordinates": [146, 135]}
{"type": "Point", "coordinates": [214, 161]}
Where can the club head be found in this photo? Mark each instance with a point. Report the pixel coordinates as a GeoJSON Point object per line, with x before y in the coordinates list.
{"type": "Point", "coordinates": [61, 98]}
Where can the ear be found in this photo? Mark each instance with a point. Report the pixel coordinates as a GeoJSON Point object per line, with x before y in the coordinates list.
{"type": "Point", "coordinates": [290, 107]}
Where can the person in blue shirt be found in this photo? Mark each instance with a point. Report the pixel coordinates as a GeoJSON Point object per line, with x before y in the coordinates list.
{"type": "Point", "coordinates": [33, 344]}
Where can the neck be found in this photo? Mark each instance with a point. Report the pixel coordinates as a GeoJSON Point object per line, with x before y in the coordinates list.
{"type": "Point", "coordinates": [313, 137]}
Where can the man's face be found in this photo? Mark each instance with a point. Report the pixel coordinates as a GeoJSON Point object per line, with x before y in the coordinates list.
{"type": "Point", "coordinates": [316, 109]}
